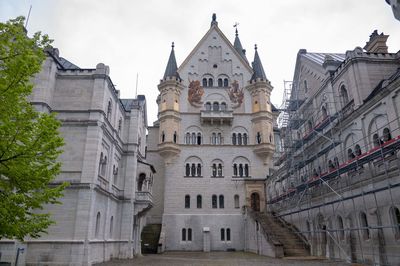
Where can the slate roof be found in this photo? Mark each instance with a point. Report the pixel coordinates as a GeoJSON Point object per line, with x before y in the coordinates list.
{"type": "Point", "coordinates": [319, 58]}
{"type": "Point", "coordinates": [258, 68]}
{"type": "Point", "coordinates": [238, 47]}
{"type": "Point", "coordinates": [172, 67]}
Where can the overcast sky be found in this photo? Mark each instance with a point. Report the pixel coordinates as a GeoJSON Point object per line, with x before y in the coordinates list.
{"type": "Point", "coordinates": [135, 36]}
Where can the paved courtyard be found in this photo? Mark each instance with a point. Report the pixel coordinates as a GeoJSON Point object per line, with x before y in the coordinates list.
{"type": "Point", "coordinates": [219, 258]}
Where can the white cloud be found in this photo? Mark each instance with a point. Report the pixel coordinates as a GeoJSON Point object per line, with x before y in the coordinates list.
{"type": "Point", "coordinates": [135, 36]}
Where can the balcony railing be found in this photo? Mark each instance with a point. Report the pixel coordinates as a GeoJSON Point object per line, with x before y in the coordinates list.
{"type": "Point", "coordinates": [216, 117]}
{"type": "Point", "coordinates": [144, 196]}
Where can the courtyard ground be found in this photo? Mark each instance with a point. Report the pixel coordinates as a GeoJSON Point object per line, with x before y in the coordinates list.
{"type": "Point", "coordinates": [219, 258]}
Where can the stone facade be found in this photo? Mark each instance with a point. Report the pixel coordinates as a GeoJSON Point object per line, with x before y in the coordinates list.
{"type": "Point", "coordinates": [338, 179]}
{"type": "Point", "coordinates": [212, 142]}
{"type": "Point", "coordinates": [103, 208]}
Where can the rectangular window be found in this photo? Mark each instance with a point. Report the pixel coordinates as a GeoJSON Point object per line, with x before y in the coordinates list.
{"type": "Point", "coordinates": [228, 234]}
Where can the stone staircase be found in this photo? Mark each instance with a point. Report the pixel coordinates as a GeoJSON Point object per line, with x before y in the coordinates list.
{"type": "Point", "coordinates": [150, 236]}
{"type": "Point", "coordinates": [279, 230]}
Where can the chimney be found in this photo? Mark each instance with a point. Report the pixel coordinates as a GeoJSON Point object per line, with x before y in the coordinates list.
{"type": "Point", "coordinates": [377, 43]}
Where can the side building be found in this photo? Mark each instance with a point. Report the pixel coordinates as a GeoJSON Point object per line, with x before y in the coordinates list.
{"type": "Point", "coordinates": [338, 180]}
{"type": "Point", "coordinates": [104, 161]}
{"type": "Point", "coordinates": [212, 145]}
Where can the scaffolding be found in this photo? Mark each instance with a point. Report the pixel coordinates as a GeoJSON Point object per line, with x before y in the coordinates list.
{"type": "Point", "coordinates": [319, 170]}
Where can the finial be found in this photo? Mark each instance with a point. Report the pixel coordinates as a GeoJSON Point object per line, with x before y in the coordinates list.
{"type": "Point", "coordinates": [214, 20]}
{"type": "Point", "coordinates": [255, 47]}
{"type": "Point", "coordinates": [236, 26]}
{"type": "Point", "coordinates": [173, 45]}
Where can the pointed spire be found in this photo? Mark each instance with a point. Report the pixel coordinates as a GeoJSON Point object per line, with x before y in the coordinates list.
{"type": "Point", "coordinates": [170, 71]}
{"type": "Point", "coordinates": [257, 67]}
{"type": "Point", "coordinates": [238, 45]}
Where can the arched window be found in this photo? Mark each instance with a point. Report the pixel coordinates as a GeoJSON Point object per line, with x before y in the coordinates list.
{"type": "Point", "coordinates": [364, 225]}
{"type": "Point", "coordinates": [162, 136]}
{"type": "Point", "coordinates": [198, 138]}
{"type": "Point", "coordinates": [194, 138]}
{"type": "Point", "coordinates": [223, 106]}
{"type": "Point", "coordinates": [395, 217]}
{"type": "Point", "coordinates": [221, 201]}
{"type": "Point", "coordinates": [350, 154]}
{"type": "Point", "coordinates": [386, 134]}
{"type": "Point", "coordinates": [330, 165]}
{"type": "Point", "coordinates": [213, 138]}
{"type": "Point", "coordinates": [142, 178]}
{"type": "Point", "coordinates": [258, 138]}
{"type": "Point", "coordinates": [184, 234]}
{"type": "Point", "coordinates": [343, 95]}
{"type": "Point", "coordinates": [193, 170]}
{"type": "Point", "coordinates": [187, 139]}
{"type": "Point", "coordinates": [215, 106]}
{"type": "Point", "coordinates": [208, 106]}
{"type": "Point", "coordinates": [189, 238]}
{"type": "Point", "coordinates": [309, 125]}
{"type": "Point", "coordinates": [219, 138]}
{"type": "Point", "coordinates": [187, 201]}
{"type": "Point", "coordinates": [111, 226]}
{"type": "Point", "coordinates": [109, 110]}
{"type": "Point", "coordinates": [210, 82]}
{"type": "Point", "coordinates": [175, 137]}
{"type": "Point", "coordinates": [187, 172]}
{"type": "Point", "coordinates": [239, 139]}
{"type": "Point", "coordinates": [214, 170]}
{"type": "Point", "coordinates": [219, 169]}
{"type": "Point", "coordinates": [198, 169]}
{"type": "Point", "coordinates": [236, 201]}
{"type": "Point", "coordinates": [228, 234]}
{"type": "Point", "coordinates": [336, 162]}
{"type": "Point", "coordinates": [219, 82]}
{"type": "Point", "coordinates": [101, 162]}
{"type": "Point", "coordinates": [199, 202]}
{"type": "Point", "coordinates": [214, 201]}
{"type": "Point", "coordinates": [324, 112]}
{"type": "Point", "coordinates": [357, 150]}
{"type": "Point", "coordinates": [234, 138]}
{"type": "Point", "coordinates": [305, 86]}
{"type": "Point", "coordinates": [104, 166]}
{"type": "Point", "coordinates": [204, 82]}
{"type": "Point", "coordinates": [308, 229]}
{"type": "Point", "coordinates": [235, 170]}
{"type": "Point", "coordinates": [244, 139]}
{"type": "Point", "coordinates": [97, 227]}
{"type": "Point", "coordinates": [376, 140]}
{"type": "Point", "coordinates": [241, 170]}
{"type": "Point", "coordinates": [222, 234]}
{"type": "Point", "coordinates": [340, 227]}
{"type": "Point", "coordinates": [226, 82]}
{"type": "Point", "coordinates": [246, 170]}
{"type": "Point", "coordinates": [119, 126]}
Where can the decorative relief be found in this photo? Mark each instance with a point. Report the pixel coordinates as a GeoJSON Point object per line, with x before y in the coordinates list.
{"type": "Point", "coordinates": [195, 93]}
{"type": "Point", "coordinates": [235, 94]}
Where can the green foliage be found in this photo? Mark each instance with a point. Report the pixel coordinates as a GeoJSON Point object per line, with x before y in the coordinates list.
{"type": "Point", "coordinates": [29, 140]}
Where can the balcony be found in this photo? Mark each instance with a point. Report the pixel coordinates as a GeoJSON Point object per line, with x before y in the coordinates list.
{"type": "Point", "coordinates": [143, 201]}
{"type": "Point", "coordinates": [219, 117]}
{"type": "Point", "coordinates": [347, 109]}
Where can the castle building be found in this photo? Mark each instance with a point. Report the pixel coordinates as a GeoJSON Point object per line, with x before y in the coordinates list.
{"type": "Point", "coordinates": [212, 145]}
{"type": "Point", "coordinates": [338, 179]}
{"type": "Point", "coordinates": [103, 209]}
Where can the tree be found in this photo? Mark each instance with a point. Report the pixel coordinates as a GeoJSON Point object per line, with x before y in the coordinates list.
{"type": "Point", "coordinates": [29, 140]}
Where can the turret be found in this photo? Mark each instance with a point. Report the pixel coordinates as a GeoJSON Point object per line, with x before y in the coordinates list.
{"type": "Point", "coordinates": [262, 119]}
{"type": "Point", "coordinates": [170, 89]}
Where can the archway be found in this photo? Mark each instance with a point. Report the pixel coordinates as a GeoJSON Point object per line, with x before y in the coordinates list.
{"type": "Point", "coordinates": [255, 201]}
